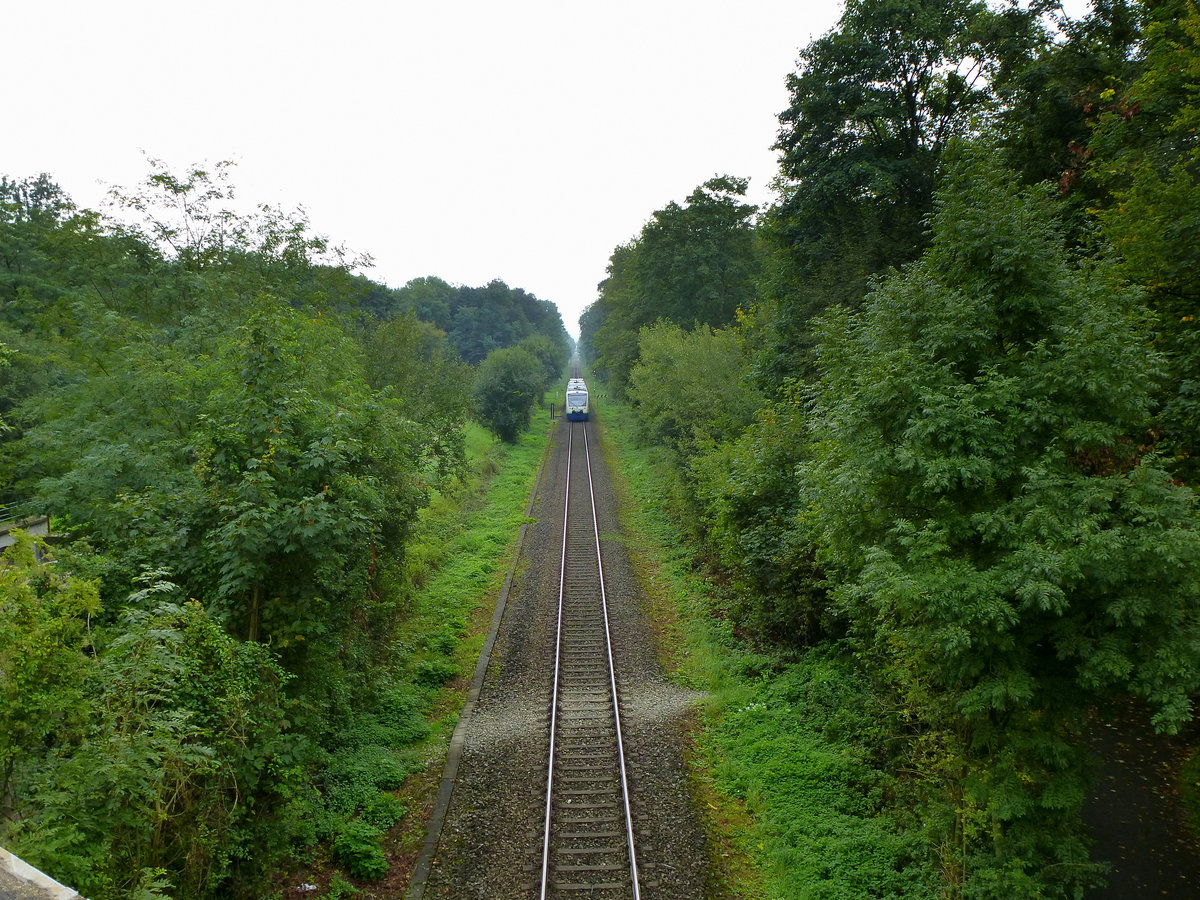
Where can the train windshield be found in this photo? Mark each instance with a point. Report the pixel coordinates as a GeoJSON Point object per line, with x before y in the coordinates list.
{"type": "Point", "coordinates": [576, 398]}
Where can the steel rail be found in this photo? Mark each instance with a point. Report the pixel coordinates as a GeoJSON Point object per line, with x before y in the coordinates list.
{"type": "Point", "coordinates": [612, 678]}
{"type": "Point", "coordinates": [623, 781]}
{"type": "Point", "coordinates": [562, 581]}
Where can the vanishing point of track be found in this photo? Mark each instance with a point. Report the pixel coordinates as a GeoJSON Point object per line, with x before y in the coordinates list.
{"type": "Point", "coordinates": [588, 845]}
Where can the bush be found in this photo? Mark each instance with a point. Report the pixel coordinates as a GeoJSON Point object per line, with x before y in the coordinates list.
{"type": "Point", "coordinates": [434, 672]}
{"type": "Point", "coordinates": [357, 848]}
{"type": "Point", "coordinates": [383, 811]}
{"type": "Point", "coordinates": [506, 385]}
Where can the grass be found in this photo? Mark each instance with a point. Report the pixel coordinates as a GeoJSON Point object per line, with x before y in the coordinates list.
{"type": "Point", "coordinates": [467, 543]}
{"type": "Point", "coordinates": [449, 580]}
{"type": "Point", "coordinates": [784, 756]}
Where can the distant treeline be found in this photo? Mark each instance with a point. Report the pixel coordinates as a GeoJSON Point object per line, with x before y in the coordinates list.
{"type": "Point", "coordinates": [234, 434]}
{"type": "Point", "coordinates": [935, 409]}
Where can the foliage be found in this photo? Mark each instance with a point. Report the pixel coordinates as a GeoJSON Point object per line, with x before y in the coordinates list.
{"type": "Point", "coordinates": [689, 387]}
{"type": "Point", "coordinates": [339, 887]}
{"type": "Point", "coordinates": [553, 357]}
{"type": "Point", "coordinates": [383, 811]}
{"type": "Point", "coordinates": [45, 663]}
{"type": "Point", "coordinates": [357, 848]}
{"type": "Point", "coordinates": [1003, 536]}
{"type": "Point", "coordinates": [506, 385]}
{"type": "Point", "coordinates": [871, 111]}
{"type": "Point", "coordinates": [807, 742]}
{"type": "Point", "coordinates": [478, 320]}
{"type": "Point", "coordinates": [413, 361]}
{"type": "Point", "coordinates": [184, 722]}
{"type": "Point", "coordinates": [801, 750]}
{"type": "Point", "coordinates": [1189, 790]}
{"type": "Point", "coordinates": [691, 265]}
{"type": "Point", "coordinates": [214, 397]}
{"type": "Point", "coordinates": [751, 514]}
{"type": "Point", "coordinates": [1145, 157]}
{"type": "Point", "coordinates": [1052, 85]}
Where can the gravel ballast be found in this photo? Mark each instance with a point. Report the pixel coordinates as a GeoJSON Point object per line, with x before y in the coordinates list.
{"type": "Point", "coordinates": [490, 843]}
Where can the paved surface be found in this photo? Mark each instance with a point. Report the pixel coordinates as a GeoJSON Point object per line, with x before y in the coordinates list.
{"type": "Point", "coordinates": [1135, 816]}
{"type": "Point", "coordinates": [19, 881]}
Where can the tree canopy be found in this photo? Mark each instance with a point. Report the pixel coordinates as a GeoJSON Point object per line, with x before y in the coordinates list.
{"type": "Point", "coordinates": [234, 431]}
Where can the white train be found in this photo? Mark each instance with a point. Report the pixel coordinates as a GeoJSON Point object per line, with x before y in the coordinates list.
{"type": "Point", "coordinates": [577, 400]}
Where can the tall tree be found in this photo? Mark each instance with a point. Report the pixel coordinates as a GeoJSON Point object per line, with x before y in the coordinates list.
{"type": "Point", "coordinates": [872, 108]}
{"type": "Point", "coordinates": [1003, 535]}
{"type": "Point", "coordinates": [415, 363]}
{"type": "Point", "coordinates": [692, 264]}
{"type": "Point", "coordinates": [1147, 161]}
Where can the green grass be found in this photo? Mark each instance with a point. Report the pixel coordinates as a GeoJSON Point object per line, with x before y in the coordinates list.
{"type": "Point", "coordinates": [389, 759]}
{"type": "Point", "coordinates": [464, 548]}
{"type": "Point", "coordinates": [785, 760]}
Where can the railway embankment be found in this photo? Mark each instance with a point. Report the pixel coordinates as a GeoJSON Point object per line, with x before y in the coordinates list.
{"type": "Point", "coordinates": [491, 842]}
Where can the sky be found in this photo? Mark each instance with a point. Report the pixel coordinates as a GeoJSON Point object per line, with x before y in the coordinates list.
{"type": "Point", "coordinates": [519, 140]}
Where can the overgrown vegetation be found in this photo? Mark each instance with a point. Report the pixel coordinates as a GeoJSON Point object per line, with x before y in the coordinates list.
{"type": "Point", "coordinates": [802, 741]}
{"type": "Point", "coordinates": [229, 661]}
{"type": "Point", "coordinates": [940, 456]}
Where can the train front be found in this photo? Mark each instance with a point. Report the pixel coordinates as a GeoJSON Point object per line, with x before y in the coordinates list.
{"type": "Point", "coordinates": [577, 401]}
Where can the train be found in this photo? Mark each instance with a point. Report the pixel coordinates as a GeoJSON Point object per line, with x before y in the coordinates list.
{"type": "Point", "coordinates": [576, 405]}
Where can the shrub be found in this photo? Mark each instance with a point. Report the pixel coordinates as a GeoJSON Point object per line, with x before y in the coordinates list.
{"type": "Point", "coordinates": [434, 672]}
{"type": "Point", "coordinates": [357, 848]}
{"type": "Point", "coordinates": [383, 811]}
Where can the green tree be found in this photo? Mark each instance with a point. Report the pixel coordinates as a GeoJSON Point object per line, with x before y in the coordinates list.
{"type": "Point", "coordinates": [551, 354]}
{"type": "Point", "coordinates": [1050, 88]}
{"type": "Point", "coordinates": [412, 360]}
{"type": "Point", "coordinates": [689, 388]}
{"type": "Point", "coordinates": [297, 471]}
{"type": "Point", "coordinates": [871, 111]}
{"type": "Point", "coordinates": [431, 299]}
{"type": "Point", "coordinates": [1001, 533]}
{"type": "Point", "coordinates": [1147, 161]}
{"type": "Point", "coordinates": [692, 264]}
{"type": "Point", "coordinates": [483, 319]}
{"type": "Point", "coordinates": [507, 384]}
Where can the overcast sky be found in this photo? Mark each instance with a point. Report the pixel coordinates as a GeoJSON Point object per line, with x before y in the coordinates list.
{"type": "Point", "coordinates": [471, 140]}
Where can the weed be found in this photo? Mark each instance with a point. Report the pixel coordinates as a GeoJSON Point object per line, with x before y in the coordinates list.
{"type": "Point", "coordinates": [339, 888]}
{"type": "Point", "coordinates": [357, 847]}
{"type": "Point", "coordinates": [383, 811]}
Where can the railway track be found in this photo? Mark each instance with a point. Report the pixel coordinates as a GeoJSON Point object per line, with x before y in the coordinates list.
{"type": "Point", "coordinates": [588, 846]}
{"type": "Point", "coordinates": [508, 822]}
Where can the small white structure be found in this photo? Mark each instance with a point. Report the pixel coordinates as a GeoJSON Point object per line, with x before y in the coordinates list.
{"type": "Point", "coordinates": [21, 881]}
{"type": "Point", "coordinates": [38, 526]}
